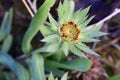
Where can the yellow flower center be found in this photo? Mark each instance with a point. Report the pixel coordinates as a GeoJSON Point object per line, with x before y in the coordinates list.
{"type": "Point", "coordinates": [69, 30]}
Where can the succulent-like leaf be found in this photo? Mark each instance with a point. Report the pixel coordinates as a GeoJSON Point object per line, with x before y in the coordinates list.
{"type": "Point", "coordinates": [8, 76]}
{"type": "Point", "coordinates": [36, 22]}
{"type": "Point", "coordinates": [6, 24]}
{"type": "Point", "coordinates": [19, 70]}
{"type": "Point", "coordinates": [7, 43]}
{"type": "Point", "coordinates": [8, 61]}
{"type": "Point", "coordinates": [116, 77]}
{"type": "Point", "coordinates": [22, 73]}
{"type": "Point", "coordinates": [82, 64]}
{"type": "Point", "coordinates": [77, 64]}
{"type": "Point", "coordinates": [37, 67]}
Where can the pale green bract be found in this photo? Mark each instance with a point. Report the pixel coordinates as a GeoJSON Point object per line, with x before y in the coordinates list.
{"type": "Point", "coordinates": [51, 77]}
{"type": "Point", "coordinates": [70, 31]}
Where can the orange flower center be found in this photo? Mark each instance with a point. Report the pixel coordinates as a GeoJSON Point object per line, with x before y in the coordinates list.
{"type": "Point", "coordinates": [69, 31]}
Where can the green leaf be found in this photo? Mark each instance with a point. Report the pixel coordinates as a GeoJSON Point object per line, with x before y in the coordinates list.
{"type": "Point", "coordinates": [65, 48]}
{"type": "Point", "coordinates": [68, 7]}
{"type": "Point", "coordinates": [22, 73]}
{"type": "Point", "coordinates": [86, 49]}
{"type": "Point", "coordinates": [93, 33]}
{"type": "Point", "coordinates": [81, 65]}
{"type": "Point", "coordinates": [81, 15]}
{"type": "Point", "coordinates": [76, 51]}
{"type": "Point", "coordinates": [51, 38]}
{"type": "Point", "coordinates": [19, 70]}
{"type": "Point", "coordinates": [52, 47]}
{"type": "Point", "coordinates": [82, 21]}
{"type": "Point", "coordinates": [88, 39]}
{"type": "Point", "coordinates": [96, 27]}
{"type": "Point", "coordinates": [51, 77]}
{"type": "Point", "coordinates": [59, 55]}
{"type": "Point", "coordinates": [8, 76]}
{"type": "Point", "coordinates": [65, 10]}
{"type": "Point", "coordinates": [46, 30]}
{"type": "Point", "coordinates": [7, 43]}
{"type": "Point", "coordinates": [55, 71]}
{"type": "Point", "coordinates": [35, 25]}
{"type": "Point", "coordinates": [60, 12]}
{"type": "Point", "coordinates": [8, 61]}
{"type": "Point", "coordinates": [64, 76]}
{"type": "Point", "coordinates": [6, 24]}
{"type": "Point", "coordinates": [116, 77]}
{"type": "Point", "coordinates": [76, 16]}
{"type": "Point", "coordinates": [83, 25]}
{"type": "Point", "coordinates": [52, 22]}
{"type": "Point", "coordinates": [37, 67]}
{"type": "Point", "coordinates": [56, 78]}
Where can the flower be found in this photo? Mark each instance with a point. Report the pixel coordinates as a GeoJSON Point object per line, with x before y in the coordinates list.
{"type": "Point", "coordinates": [70, 32]}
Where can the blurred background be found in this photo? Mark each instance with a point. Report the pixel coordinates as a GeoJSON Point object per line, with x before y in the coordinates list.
{"type": "Point", "coordinates": [108, 48]}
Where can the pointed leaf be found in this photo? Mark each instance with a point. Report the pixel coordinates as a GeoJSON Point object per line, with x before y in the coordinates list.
{"type": "Point", "coordinates": [50, 47]}
{"type": "Point", "coordinates": [81, 15]}
{"type": "Point", "coordinates": [55, 71]}
{"type": "Point", "coordinates": [59, 55]}
{"type": "Point", "coordinates": [51, 77]}
{"type": "Point", "coordinates": [76, 51]}
{"type": "Point", "coordinates": [93, 33]}
{"type": "Point", "coordinates": [83, 25]}
{"type": "Point", "coordinates": [60, 13]}
{"type": "Point", "coordinates": [46, 30]}
{"type": "Point", "coordinates": [65, 48]}
{"type": "Point", "coordinates": [52, 22]}
{"type": "Point", "coordinates": [51, 38]}
{"type": "Point", "coordinates": [37, 67]}
{"type": "Point", "coordinates": [86, 49]}
{"type": "Point", "coordinates": [56, 78]}
{"type": "Point", "coordinates": [64, 76]}
{"type": "Point", "coordinates": [76, 16]}
{"type": "Point", "coordinates": [88, 39]}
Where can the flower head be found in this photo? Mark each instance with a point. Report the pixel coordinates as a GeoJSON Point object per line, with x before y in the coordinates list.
{"type": "Point", "coordinates": [70, 31]}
